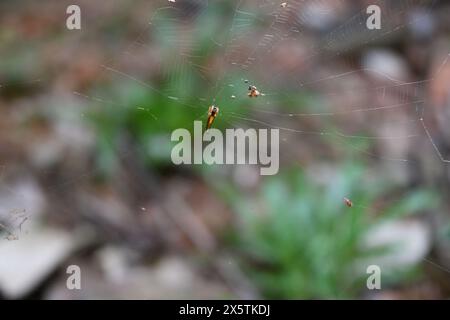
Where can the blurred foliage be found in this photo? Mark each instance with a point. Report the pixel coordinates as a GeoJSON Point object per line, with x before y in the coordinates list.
{"type": "Point", "coordinates": [149, 111]}
{"type": "Point", "coordinates": [296, 237]}
{"type": "Point", "coordinates": [148, 119]}
{"type": "Point", "coordinates": [299, 240]}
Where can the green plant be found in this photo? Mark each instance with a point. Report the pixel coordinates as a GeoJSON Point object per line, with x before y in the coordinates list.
{"type": "Point", "coordinates": [298, 239]}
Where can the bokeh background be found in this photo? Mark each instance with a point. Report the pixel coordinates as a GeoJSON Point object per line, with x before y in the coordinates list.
{"type": "Point", "coordinates": [85, 171]}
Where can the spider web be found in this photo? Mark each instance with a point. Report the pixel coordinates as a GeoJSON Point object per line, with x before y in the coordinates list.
{"type": "Point", "coordinates": [246, 53]}
{"type": "Point", "coordinates": [13, 215]}
{"type": "Point", "coordinates": [289, 57]}
{"type": "Point", "coordinates": [302, 67]}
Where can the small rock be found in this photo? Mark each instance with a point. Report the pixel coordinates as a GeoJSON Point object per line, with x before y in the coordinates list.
{"type": "Point", "coordinates": [409, 241]}
{"type": "Point", "coordinates": [29, 260]}
{"type": "Point", "coordinates": [385, 65]}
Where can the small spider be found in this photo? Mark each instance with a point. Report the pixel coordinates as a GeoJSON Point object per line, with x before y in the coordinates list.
{"type": "Point", "coordinates": [213, 111]}
{"type": "Point", "coordinates": [253, 92]}
{"type": "Point", "coordinates": [348, 202]}
{"type": "Point", "coordinates": [283, 4]}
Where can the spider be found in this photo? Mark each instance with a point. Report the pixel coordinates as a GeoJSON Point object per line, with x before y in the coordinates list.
{"type": "Point", "coordinates": [348, 202]}
{"type": "Point", "coordinates": [213, 111]}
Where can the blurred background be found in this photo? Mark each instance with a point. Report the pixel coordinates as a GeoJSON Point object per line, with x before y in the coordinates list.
{"type": "Point", "coordinates": [86, 176]}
